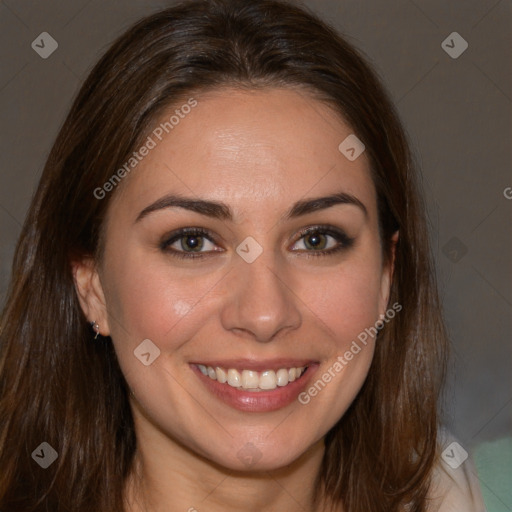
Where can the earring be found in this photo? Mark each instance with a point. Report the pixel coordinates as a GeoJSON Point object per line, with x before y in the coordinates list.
{"type": "Point", "coordinates": [96, 329]}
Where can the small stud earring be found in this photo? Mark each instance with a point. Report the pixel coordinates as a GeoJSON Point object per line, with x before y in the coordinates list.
{"type": "Point", "coordinates": [96, 329]}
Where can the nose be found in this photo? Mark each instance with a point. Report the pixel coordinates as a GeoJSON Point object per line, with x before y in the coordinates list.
{"type": "Point", "coordinates": [259, 302]}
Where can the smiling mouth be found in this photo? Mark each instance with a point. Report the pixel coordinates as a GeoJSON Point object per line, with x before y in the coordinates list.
{"type": "Point", "coordinates": [250, 380]}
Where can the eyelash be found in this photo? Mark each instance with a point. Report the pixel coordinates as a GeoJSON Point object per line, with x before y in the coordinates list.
{"type": "Point", "coordinates": [344, 241]}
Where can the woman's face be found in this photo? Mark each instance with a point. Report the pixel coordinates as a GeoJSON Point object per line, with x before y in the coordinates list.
{"type": "Point", "coordinates": [280, 269]}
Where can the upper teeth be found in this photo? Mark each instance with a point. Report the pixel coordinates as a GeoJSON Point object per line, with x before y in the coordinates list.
{"type": "Point", "coordinates": [251, 380]}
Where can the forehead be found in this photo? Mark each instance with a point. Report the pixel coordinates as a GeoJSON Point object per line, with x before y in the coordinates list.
{"type": "Point", "coordinates": [259, 149]}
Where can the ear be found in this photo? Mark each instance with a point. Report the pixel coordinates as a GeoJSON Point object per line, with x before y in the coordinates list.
{"type": "Point", "coordinates": [387, 275]}
{"type": "Point", "coordinates": [90, 293]}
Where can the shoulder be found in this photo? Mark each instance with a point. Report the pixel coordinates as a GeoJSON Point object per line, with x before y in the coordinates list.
{"type": "Point", "coordinates": [455, 485]}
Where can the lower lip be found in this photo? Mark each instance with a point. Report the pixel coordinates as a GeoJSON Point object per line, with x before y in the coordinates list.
{"type": "Point", "coordinates": [257, 401]}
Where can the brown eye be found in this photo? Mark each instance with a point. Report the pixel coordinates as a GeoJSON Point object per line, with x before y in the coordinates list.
{"type": "Point", "coordinates": [192, 242]}
{"type": "Point", "coordinates": [320, 240]}
{"type": "Point", "coordinates": [315, 241]}
{"type": "Point", "coordinates": [189, 243]}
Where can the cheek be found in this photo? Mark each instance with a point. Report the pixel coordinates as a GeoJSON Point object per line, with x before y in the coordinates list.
{"type": "Point", "coordinates": [147, 300]}
{"type": "Point", "coordinates": [346, 301]}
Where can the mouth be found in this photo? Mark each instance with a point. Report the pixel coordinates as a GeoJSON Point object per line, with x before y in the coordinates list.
{"type": "Point", "coordinates": [253, 386]}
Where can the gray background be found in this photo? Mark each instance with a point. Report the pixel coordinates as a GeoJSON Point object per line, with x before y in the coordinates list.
{"type": "Point", "coordinates": [457, 113]}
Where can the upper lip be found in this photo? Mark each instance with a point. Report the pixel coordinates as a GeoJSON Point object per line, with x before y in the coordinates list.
{"type": "Point", "coordinates": [258, 365]}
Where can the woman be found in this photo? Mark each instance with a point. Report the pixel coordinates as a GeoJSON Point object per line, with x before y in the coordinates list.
{"type": "Point", "coordinates": [222, 297]}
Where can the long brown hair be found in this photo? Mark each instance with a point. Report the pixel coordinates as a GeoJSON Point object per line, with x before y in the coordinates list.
{"type": "Point", "coordinates": [56, 386]}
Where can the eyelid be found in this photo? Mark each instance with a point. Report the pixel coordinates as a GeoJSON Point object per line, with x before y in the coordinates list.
{"type": "Point", "coordinates": [326, 229]}
{"type": "Point", "coordinates": [320, 227]}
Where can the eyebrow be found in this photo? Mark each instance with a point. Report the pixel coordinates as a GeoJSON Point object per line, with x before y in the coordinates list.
{"type": "Point", "coordinates": [222, 211]}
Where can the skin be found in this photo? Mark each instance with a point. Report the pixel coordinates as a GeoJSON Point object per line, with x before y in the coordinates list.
{"type": "Point", "coordinates": [261, 152]}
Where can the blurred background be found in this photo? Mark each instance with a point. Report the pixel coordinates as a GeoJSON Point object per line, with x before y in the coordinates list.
{"type": "Point", "coordinates": [447, 66]}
